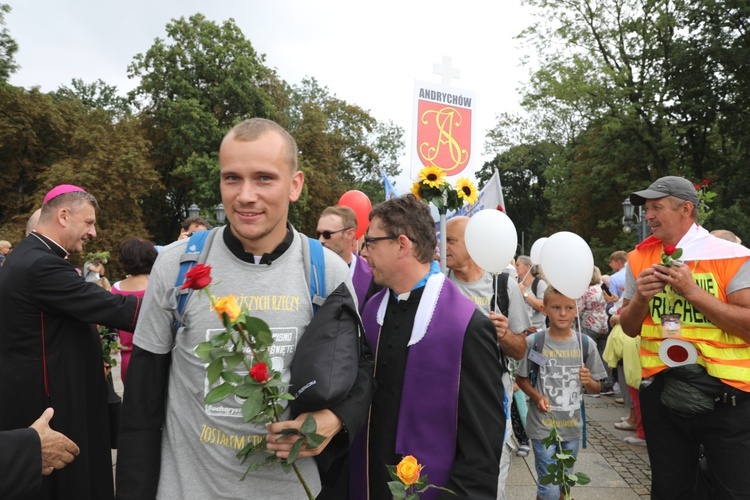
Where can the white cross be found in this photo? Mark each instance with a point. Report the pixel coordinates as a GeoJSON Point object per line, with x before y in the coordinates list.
{"type": "Point", "coordinates": [445, 71]}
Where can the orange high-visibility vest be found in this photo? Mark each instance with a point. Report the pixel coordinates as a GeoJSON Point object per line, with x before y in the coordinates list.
{"type": "Point", "coordinates": [725, 356]}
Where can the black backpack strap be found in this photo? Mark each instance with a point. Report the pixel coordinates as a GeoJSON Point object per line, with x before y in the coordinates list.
{"type": "Point", "coordinates": [500, 300]}
{"type": "Point", "coordinates": [534, 286]}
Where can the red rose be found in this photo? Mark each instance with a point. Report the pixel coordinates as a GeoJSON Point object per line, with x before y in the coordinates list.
{"type": "Point", "coordinates": [704, 182]}
{"type": "Point", "coordinates": [669, 249]}
{"type": "Point", "coordinates": [198, 277]}
{"type": "Point", "coordinates": [259, 372]}
{"type": "Point", "coordinates": [697, 187]}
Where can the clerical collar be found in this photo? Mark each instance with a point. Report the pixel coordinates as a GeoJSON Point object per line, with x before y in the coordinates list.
{"type": "Point", "coordinates": [55, 246]}
{"type": "Point", "coordinates": [434, 269]}
{"type": "Point", "coordinates": [235, 246]}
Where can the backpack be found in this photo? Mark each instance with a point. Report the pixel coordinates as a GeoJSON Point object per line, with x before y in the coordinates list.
{"type": "Point", "coordinates": [197, 250]}
{"type": "Point", "coordinates": [539, 338]}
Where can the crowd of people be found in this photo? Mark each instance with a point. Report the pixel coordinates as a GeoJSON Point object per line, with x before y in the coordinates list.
{"type": "Point", "coordinates": [451, 365]}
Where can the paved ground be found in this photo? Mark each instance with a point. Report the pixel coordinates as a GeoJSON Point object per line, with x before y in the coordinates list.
{"type": "Point", "coordinates": [618, 471]}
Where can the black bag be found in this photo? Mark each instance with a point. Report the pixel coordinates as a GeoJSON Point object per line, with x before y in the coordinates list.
{"type": "Point", "coordinates": [689, 391]}
{"type": "Point", "coordinates": [327, 356]}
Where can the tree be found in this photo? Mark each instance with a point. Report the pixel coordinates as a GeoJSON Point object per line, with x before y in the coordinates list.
{"type": "Point", "coordinates": [8, 47]}
{"type": "Point", "coordinates": [193, 89]}
{"type": "Point", "coordinates": [632, 90]}
{"type": "Point", "coordinates": [341, 147]}
{"type": "Point", "coordinates": [97, 95]}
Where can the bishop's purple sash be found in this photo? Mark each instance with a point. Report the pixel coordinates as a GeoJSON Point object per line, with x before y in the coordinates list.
{"type": "Point", "coordinates": [428, 414]}
{"type": "Point", "coordinates": [361, 279]}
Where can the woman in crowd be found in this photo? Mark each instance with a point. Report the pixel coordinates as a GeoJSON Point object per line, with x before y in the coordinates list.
{"type": "Point", "coordinates": [137, 256]}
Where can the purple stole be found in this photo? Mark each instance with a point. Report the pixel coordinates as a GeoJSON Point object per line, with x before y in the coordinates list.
{"type": "Point", "coordinates": [361, 279]}
{"type": "Point", "coordinates": [428, 414]}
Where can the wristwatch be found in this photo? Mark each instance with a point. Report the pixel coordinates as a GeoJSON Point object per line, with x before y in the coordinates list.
{"type": "Point", "coordinates": [525, 294]}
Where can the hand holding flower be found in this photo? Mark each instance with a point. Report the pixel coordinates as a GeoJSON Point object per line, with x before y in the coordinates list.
{"type": "Point", "coordinates": [328, 425]}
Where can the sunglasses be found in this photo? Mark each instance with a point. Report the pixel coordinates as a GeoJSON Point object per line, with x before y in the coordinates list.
{"type": "Point", "coordinates": [327, 234]}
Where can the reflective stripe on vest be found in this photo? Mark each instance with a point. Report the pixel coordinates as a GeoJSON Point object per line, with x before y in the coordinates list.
{"type": "Point", "coordinates": [725, 356]}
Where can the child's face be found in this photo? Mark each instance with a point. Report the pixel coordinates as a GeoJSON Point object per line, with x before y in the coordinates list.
{"type": "Point", "coordinates": [560, 310]}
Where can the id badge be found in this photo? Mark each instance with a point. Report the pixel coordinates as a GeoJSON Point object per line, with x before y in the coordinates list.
{"type": "Point", "coordinates": [537, 358]}
{"type": "Point", "coordinates": [670, 326]}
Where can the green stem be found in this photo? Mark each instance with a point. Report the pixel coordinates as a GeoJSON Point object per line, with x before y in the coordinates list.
{"type": "Point", "coordinates": [302, 480]}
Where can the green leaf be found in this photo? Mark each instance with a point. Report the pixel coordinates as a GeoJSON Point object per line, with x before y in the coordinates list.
{"type": "Point", "coordinates": [677, 254]}
{"type": "Point", "coordinates": [398, 490]}
{"type": "Point", "coordinates": [314, 440]}
{"type": "Point", "coordinates": [252, 406]}
{"type": "Point", "coordinates": [214, 370]}
{"type": "Point", "coordinates": [234, 360]}
{"type": "Point", "coordinates": [308, 426]}
{"type": "Point", "coordinates": [285, 466]}
{"type": "Point", "coordinates": [203, 349]}
{"type": "Point", "coordinates": [583, 478]}
{"type": "Point", "coordinates": [232, 377]}
{"type": "Point", "coordinates": [547, 479]}
{"type": "Point", "coordinates": [219, 393]}
{"type": "Point", "coordinates": [296, 447]}
{"type": "Point", "coordinates": [245, 390]}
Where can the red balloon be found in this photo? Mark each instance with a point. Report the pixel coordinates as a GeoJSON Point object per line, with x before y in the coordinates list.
{"type": "Point", "coordinates": [360, 203]}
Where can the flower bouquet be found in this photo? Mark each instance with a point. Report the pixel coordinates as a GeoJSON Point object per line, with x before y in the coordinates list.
{"type": "Point", "coordinates": [260, 388]}
{"type": "Point", "coordinates": [434, 188]}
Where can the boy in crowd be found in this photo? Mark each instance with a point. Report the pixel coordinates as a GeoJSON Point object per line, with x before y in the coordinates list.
{"type": "Point", "coordinates": [559, 372]}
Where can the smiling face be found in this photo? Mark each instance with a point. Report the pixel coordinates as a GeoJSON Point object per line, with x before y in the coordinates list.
{"type": "Point", "coordinates": [257, 184]}
{"type": "Point", "coordinates": [669, 219]}
{"type": "Point", "coordinates": [78, 226]}
{"type": "Point", "coordinates": [381, 255]}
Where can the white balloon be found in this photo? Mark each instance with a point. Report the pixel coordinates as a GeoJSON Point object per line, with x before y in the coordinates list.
{"type": "Point", "coordinates": [536, 251]}
{"type": "Point", "coordinates": [567, 263]}
{"type": "Point", "coordinates": [491, 239]}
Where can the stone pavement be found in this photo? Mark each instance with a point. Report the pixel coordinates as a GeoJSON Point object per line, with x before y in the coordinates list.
{"type": "Point", "coordinates": [618, 471]}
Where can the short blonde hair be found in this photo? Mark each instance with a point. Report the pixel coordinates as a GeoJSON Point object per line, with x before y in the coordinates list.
{"type": "Point", "coordinates": [5, 244]}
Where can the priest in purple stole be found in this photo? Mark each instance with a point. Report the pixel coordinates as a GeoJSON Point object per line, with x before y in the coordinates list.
{"type": "Point", "coordinates": [438, 374]}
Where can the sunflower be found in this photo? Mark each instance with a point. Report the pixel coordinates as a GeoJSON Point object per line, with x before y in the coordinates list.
{"type": "Point", "coordinates": [467, 190]}
{"type": "Point", "coordinates": [432, 176]}
{"type": "Point", "coordinates": [415, 190]}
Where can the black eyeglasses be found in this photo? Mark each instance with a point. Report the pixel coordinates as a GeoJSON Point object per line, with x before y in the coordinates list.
{"type": "Point", "coordinates": [327, 234]}
{"type": "Point", "coordinates": [377, 238]}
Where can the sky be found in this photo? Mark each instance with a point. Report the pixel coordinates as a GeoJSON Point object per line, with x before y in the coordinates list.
{"type": "Point", "coordinates": [366, 54]}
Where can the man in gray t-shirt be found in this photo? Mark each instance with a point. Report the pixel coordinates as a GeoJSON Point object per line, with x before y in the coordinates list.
{"type": "Point", "coordinates": [173, 445]}
{"type": "Point", "coordinates": [478, 285]}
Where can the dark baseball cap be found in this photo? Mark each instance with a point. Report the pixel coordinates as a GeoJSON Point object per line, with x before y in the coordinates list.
{"type": "Point", "coordinates": [671, 185]}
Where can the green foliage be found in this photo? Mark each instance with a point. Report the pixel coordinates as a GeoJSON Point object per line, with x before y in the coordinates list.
{"type": "Point", "coordinates": [262, 399]}
{"type": "Point", "coordinates": [626, 92]}
{"type": "Point", "coordinates": [559, 472]}
{"type": "Point", "coordinates": [97, 95]}
{"type": "Point", "coordinates": [110, 345]}
{"type": "Point", "coordinates": [8, 47]}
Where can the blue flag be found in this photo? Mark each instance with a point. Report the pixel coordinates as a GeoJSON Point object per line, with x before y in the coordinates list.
{"type": "Point", "coordinates": [390, 191]}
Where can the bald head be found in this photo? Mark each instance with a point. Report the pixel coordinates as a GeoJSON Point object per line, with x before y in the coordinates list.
{"type": "Point", "coordinates": [457, 257]}
{"type": "Point", "coordinates": [33, 221]}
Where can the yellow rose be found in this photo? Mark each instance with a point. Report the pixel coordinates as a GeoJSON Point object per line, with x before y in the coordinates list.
{"type": "Point", "coordinates": [408, 470]}
{"type": "Point", "coordinates": [229, 306]}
